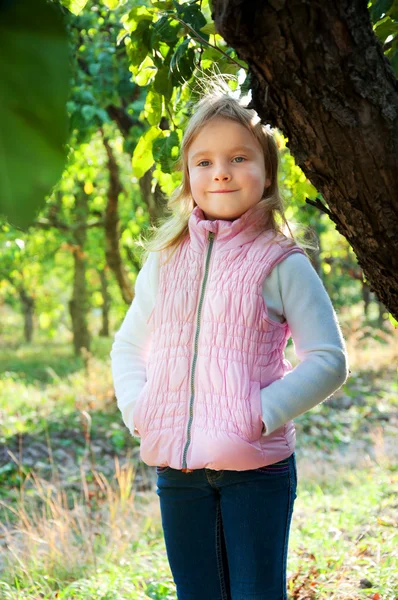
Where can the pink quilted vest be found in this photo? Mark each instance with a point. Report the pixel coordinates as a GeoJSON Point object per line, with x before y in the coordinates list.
{"type": "Point", "coordinates": [213, 348]}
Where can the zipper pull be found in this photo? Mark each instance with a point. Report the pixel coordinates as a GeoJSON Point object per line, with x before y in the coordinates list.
{"type": "Point", "coordinates": [212, 235]}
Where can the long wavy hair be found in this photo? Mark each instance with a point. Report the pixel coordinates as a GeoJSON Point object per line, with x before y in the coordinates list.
{"type": "Point", "coordinates": [173, 227]}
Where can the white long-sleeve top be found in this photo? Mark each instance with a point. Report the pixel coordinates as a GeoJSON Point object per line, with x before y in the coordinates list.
{"type": "Point", "coordinates": [293, 292]}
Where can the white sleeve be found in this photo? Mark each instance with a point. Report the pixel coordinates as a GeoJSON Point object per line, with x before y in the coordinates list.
{"type": "Point", "coordinates": [318, 343]}
{"type": "Point", "coordinates": [132, 342]}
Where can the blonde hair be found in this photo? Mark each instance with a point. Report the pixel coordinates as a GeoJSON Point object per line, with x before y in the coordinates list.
{"type": "Point", "coordinates": [216, 102]}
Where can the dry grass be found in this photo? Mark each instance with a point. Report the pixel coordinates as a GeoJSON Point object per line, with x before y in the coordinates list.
{"type": "Point", "coordinates": [62, 536]}
{"type": "Point", "coordinates": [371, 349]}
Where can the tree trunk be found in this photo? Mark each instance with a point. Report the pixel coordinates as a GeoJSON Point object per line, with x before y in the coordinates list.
{"type": "Point", "coordinates": [319, 74]}
{"type": "Point", "coordinates": [28, 306]}
{"type": "Point", "coordinates": [78, 305]}
{"type": "Point", "coordinates": [366, 297]}
{"type": "Point", "coordinates": [112, 234]}
{"type": "Point", "coordinates": [106, 303]}
{"type": "Point", "coordinates": [154, 199]}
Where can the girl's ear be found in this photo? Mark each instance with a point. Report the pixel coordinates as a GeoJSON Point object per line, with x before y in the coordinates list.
{"type": "Point", "coordinates": [267, 183]}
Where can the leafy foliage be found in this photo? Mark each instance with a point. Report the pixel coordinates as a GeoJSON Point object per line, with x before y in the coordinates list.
{"type": "Point", "coordinates": [34, 74]}
{"type": "Point", "coordinates": [384, 15]}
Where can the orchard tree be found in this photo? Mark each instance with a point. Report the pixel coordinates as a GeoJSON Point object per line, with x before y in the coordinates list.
{"type": "Point", "coordinates": [28, 269]}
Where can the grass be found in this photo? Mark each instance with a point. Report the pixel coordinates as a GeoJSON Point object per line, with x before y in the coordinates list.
{"type": "Point", "coordinates": [80, 517]}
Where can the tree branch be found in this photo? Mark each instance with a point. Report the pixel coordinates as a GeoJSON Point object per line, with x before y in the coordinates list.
{"type": "Point", "coordinates": [196, 36]}
{"type": "Point", "coordinates": [318, 204]}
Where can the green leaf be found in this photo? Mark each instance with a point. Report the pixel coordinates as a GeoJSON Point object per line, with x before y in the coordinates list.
{"type": "Point", "coordinates": [139, 44]}
{"type": "Point", "coordinates": [88, 112]}
{"type": "Point", "coordinates": [182, 63]}
{"type": "Point", "coordinates": [193, 16]}
{"type": "Point", "coordinates": [135, 16]}
{"type": "Point", "coordinates": [211, 54]}
{"type": "Point", "coordinates": [146, 72]}
{"type": "Point", "coordinates": [209, 28]}
{"type": "Point", "coordinates": [166, 31]}
{"type": "Point", "coordinates": [394, 60]}
{"type": "Point", "coordinates": [226, 66]}
{"type": "Point", "coordinates": [393, 12]}
{"type": "Point", "coordinates": [166, 5]}
{"type": "Point", "coordinates": [246, 85]}
{"type": "Point", "coordinates": [143, 157]}
{"type": "Point", "coordinates": [153, 108]}
{"type": "Point", "coordinates": [34, 75]}
{"type": "Point", "coordinates": [111, 4]}
{"type": "Point", "coordinates": [165, 151]}
{"type": "Point", "coordinates": [384, 28]}
{"type": "Point", "coordinates": [379, 8]}
{"type": "Point", "coordinates": [162, 83]}
{"type": "Point", "coordinates": [94, 68]}
{"type": "Point", "coordinates": [75, 6]}
{"type": "Point", "coordinates": [393, 321]}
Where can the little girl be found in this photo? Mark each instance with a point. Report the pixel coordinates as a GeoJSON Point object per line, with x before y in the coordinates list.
{"type": "Point", "coordinates": [198, 363]}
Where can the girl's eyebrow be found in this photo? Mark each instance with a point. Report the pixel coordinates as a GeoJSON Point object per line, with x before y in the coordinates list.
{"type": "Point", "coordinates": [209, 152]}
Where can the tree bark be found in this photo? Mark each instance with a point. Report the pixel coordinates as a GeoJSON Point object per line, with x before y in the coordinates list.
{"type": "Point", "coordinates": [28, 307]}
{"type": "Point", "coordinates": [106, 303]}
{"type": "Point", "coordinates": [112, 233]}
{"type": "Point", "coordinates": [78, 305]}
{"type": "Point", "coordinates": [319, 74]}
{"type": "Point", "coordinates": [366, 297]}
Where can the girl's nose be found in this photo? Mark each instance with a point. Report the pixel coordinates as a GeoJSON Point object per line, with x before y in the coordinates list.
{"type": "Point", "coordinates": [222, 175]}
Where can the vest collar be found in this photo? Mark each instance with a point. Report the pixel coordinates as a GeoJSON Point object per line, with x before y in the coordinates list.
{"type": "Point", "coordinates": [229, 234]}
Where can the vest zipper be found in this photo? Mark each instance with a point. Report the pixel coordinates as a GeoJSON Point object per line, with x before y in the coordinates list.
{"type": "Point", "coordinates": [204, 281]}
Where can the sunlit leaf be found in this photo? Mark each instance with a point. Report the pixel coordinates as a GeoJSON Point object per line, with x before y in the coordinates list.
{"type": "Point", "coordinates": [146, 72]}
{"type": "Point", "coordinates": [75, 6]}
{"type": "Point", "coordinates": [111, 4]}
{"type": "Point", "coordinates": [392, 320]}
{"type": "Point", "coordinates": [209, 28]}
{"type": "Point", "coordinates": [143, 157]}
{"type": "Point", "coordinates": [153, 108]}
{"type": "Point", "coordinates": [165, 151]}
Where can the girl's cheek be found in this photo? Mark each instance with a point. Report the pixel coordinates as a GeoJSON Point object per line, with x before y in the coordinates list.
{"type": "Point", "coordinates": [195, 178]}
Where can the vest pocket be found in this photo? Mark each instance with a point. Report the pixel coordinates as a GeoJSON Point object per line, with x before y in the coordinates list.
{"type": "Point", "coordinates": [137, 410]}
{"type": "Point", "coordinates": [256, 411]}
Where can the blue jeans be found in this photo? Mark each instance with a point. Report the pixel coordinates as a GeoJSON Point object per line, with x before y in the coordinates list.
{"type": "Point", "coordinates": [227, 532]}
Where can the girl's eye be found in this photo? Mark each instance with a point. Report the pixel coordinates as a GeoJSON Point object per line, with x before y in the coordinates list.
{"type": "Point", "coordinates": [206, 161]}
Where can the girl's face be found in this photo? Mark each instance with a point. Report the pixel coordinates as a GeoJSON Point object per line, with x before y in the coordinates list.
{"type": "Point", "coordinates": [226, 169]}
